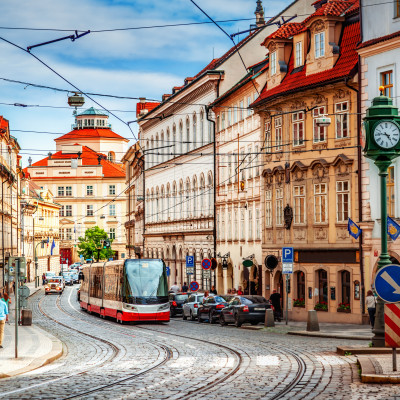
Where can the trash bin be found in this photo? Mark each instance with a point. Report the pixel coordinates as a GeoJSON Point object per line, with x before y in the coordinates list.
{"type": "Point", "coordinates": [26, 317]}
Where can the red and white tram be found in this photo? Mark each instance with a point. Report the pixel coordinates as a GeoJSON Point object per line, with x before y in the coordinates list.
{"type": "Point", "coordinates": [127, 290]}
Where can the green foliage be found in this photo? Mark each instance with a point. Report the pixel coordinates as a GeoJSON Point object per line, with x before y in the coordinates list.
{"type": "Point", "coordinates": [348, 353]}
{"type": "Point", "coordinates": [91, 245]}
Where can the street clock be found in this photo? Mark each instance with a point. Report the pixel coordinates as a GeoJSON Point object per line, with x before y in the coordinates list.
{"type": "Point", "coordinates": [386, 134]}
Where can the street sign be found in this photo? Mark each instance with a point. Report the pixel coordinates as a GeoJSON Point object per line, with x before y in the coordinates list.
{"type": "Point", "coordinates": [206, 264]}
{"type": "Point", "coordinates": [168, 271]}
{"type": "Point", "coordinates": [287, 268]}
{"type": "Point", "coordinates": [392, 325]}
{"type": "Point", "coordinates": [189, 261]}
{"type": "Point", "coordinates": [194, 286]}
{"type": "Point", "coordinates": [387, 283]}
{"type": "Point", "coordinates": [287, 254]}
{"type": "Point", "coordinates": [189, 270]}
{"type": "Point", "coordinates": [206, 273]}
{"type": "Point", "coordinates": [214, 264]}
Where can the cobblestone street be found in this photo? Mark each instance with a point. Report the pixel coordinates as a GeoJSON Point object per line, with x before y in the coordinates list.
{"type": "Point", "coordinates": [182, 360]}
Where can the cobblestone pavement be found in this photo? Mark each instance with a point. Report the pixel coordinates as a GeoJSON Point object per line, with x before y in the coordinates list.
{"type": "Point", "coordinates": [183, 360]}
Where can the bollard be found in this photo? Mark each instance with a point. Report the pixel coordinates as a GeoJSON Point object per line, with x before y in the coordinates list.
{"type": "Point", "coordinates": [269, 318]}
{"type": "Point", "coordinates": [312, 321]}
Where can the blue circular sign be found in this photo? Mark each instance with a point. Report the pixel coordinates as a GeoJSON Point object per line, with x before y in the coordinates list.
{"type": "Point", "coordinates": [206, 264]}
{"type": "Point", "coordinates": [194, 286]}
{"type": "Point", "coordinates": [387, 283]}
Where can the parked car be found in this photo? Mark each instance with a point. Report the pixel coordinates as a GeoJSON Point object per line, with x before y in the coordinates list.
{"type": "Point", "coordinates": [75, 277]}
{"type": "Point", "coordinates": [68, 278]}
{"type": "Point", "coordinates": [53, 285]}
{"type": "Point", "coordinates": [211, 308]}
{"type": "Point", "coordinates": [176, 301]}
{"type": "Point", "coordinates": [242, 309]}
{"type": "Point", "coordinates": [191, 305]}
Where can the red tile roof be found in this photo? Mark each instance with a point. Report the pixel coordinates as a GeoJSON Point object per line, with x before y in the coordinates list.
{"type": "Point", "coordinates": [344, 67]}
{"type": "Point", "coordinates": [333, 8]}
{"type": "Point", "coordinates": [148, 105]}
{"type": "Point", "coordinates": [285, 31]}
{"type": "Point", "coordinates": [90, 133]}
{"type": "Point", "coordinates": [89, 157]}
{"type": "Point", "coordinates": [378, 40]}
{"type": "Point", "coordinates": [3, 124]}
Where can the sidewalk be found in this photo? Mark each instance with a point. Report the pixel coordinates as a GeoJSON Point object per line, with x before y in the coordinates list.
{"type": "Point", "coordinates": [378, 368]}
{"type": "Point", "coordinates": [35, 346]}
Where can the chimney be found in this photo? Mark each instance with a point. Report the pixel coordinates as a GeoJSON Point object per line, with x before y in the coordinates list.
{"type": "Point", "coordinates": [259, 14]}
{"type": "Point", "coordinates": [142, 100]}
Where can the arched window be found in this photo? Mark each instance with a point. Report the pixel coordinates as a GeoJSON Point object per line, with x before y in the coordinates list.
{"type": "Point", "coordinates": [195, 198]}
{"type": "Point", "coordinates": [181, 200]}
{"type": "Point", "coordinates": [157, 210]}
{"type": "Point", "coordinates": [174, 201]}
{"type": "Point", "coordinates": [202, 200]}
{"type": "Point", "coordinates": [162, 203]}
{"type": "Point", "coordinates": [201, 128]}
{"type": "Point", "coordinates": [168, 202]}
{"type": "Point", "coordinates": [168, 143]}
{"type": "Point", "coordinates": [162, 149]}
{"type": "Point", "coordinates": [210, 132]}
{"type": "Point", "coordinates": [195, 144]}
{"type": "Point", "coordinates": [157, 156]}
{"type": "Point", "coordinates": [323, 285]}
{"type": "Point", "coordinates": [345, 278]}
{"type": "Point", "coordinates": [180, 137]}
{"type": "Point", "coordinates": [187, 135]}
{"type": "Point", "coordinates": [174, 138]}
{"type": "Point", "coordinates": [152, 152]}
{"type": "Point", "coordinates": [210, 195]}
{"type": "Point", "coordinates": [152, 207]}
{"type": "Point", "coordinates": [301, 285]}
{"type": "Point", "coordinates": [187, 203]}
{"type": "Point", "coordinates": [111, 156]}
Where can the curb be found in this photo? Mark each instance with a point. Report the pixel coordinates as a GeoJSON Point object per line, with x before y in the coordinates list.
{"type": "Point", "coordinates": [369, 375]}
{"type": "Point", "coordinates": [327, 335]}
{"type": "Point", "coordinates": [55, 353]}
{"type": "Point", "coordinates": [341, 350]}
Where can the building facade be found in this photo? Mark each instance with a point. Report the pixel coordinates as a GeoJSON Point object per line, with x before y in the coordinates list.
{"type": "Point", "coordinates": [380, 66]}
{"type": "Point", "coordinates": [310, 172]}
{"type": "Point", "coordinates": [88, 181]}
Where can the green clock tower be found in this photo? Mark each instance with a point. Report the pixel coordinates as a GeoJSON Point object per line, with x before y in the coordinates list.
{"type": "Point", "coordinates": [382, 144]}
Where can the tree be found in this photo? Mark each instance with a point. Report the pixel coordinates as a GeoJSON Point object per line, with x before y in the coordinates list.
{"type": "Point", "coordinates": [91, 245]}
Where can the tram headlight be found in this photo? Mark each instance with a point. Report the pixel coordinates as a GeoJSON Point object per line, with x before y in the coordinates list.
{"type": "Point", "coordinates": [164, 307]}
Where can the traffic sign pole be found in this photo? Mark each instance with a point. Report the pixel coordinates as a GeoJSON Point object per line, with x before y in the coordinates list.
{"type": "Point", "coordinates": [16, 281]}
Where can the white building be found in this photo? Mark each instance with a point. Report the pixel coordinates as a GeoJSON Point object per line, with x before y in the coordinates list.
{"type": "Point", "coordinates": [380, 66]}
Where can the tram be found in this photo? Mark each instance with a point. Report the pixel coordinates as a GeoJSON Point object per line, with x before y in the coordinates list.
{"type": "Point", "coordinates": [127, 290]}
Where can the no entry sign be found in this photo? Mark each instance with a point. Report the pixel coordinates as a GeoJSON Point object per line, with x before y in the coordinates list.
{"type": "Point", "coordinates": [194, 286]}
{"type": "Point", "coordinates": [206, 264]}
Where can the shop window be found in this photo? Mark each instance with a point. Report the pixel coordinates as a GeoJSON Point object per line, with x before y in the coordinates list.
{"type": "Point", "coordinates": [322, 285]}
{"type": "Point", "coordinates": [345, 278]}
{"type": "Point", "coordinates": [301, 285]}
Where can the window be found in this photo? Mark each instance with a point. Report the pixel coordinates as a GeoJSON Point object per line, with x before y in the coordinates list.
{"type": "Point", "coordinates": [236, 226]}
{"type": "Point", "coordinates": [194, 131]}
{"type": "Point", "coordinates": [345, 278]}
{"type": "Point", "coordinates": [342, 120]}
{"type": "Point", "coordinates": [229, 167]}
{"type": "Point", "coordinates": [397, 9]}
{"type": "Point", "coordinates": [60, 191]}
{"type": "Point", "coordinates": [68, 233]}
{"type": "Point", "coordinates": [111, 210]}
{"type": "Point", "coordinates": [68, 211]}
{"type": "Point", "coordinates": [301, 285]}
{"type": "Point", "coordinates": [323, 285]}
{"type": "Point", "coordinates": [111, 234]}
{"type": "Point", "coordinates": [223, 224]}
{"type": "Point", "coordinates": [250, 226]}
{"type": "Point", "coordinates": [235, 114]}
{"type": "Point", "coordinates": [278, 133]}
{"type": "Point", "coordinates": [202, 139]}
{"type": "Point", "coordinates": [241, 110]}
{"type": "Point", "coordinates": [111, 156]}
{"type": "Point", "coordinates": [222, 167]}
{"type": "Point", "coordinates": [342, 201]}
{"type": "Point", "coordinates": [390, 192]}
{"type": "Point", "coordinates": [268, 208]}
{"type": "Point", "coordinates": [241, 224]}
{"type": "Point", "coordinates": [273, 63]}
{"type": "Point", "coordinates": [258, 224]}
{"type": "Point", "coordinates": [62, 211]}
{"type": "Point", "coordinates": [111, 190]}
{"type": "Point", "coordinates": [319, 131]}
{"type": "Point", "coordinates": [89, 210]}
{"type": "Point", "coordinates": [298, 128]}
{"type": "Point", "coordinates": [268, 139]}
{"type": "Point", "coordinates": [319, 44]}
{"type": "Point", "coordinates": [248, 106]}
{"type": "Point", "coordinates": [187, 135]}
{"type": "Point", "coordinates": [299, 204]}
{"type": "Point", "coordinates": [218, 230]}
{"type": "Point", "coordinates": [89, 190]}
{"type": "Point", "coordinates": [320, 202]}
{"type": "Point", "coordinates": [229, 237]}
{"type": "Point", "coordinates": [242, 165]}
{"type": "Point", "coordinates": [235, 167]}
{"type": "Point", "coordinates": [250, 158]}
{"type": "Point", "coordinates": [387, 77]}
{"type": "Point", "coordinates": [229, 117]}
{"type": "Point", "coordinates": [279, 206]}
{"type": "Point", "coordinates": [299, 54]}
{"type": "Point", "coordinates": [223, 120]}
{"type": "Point", "coordinates": [257, 160]}
{"type": "Point", "coordinates": [68, 191]}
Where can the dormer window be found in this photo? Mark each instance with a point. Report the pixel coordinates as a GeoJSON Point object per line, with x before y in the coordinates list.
{"type": "Point", "coordinates": [272, 63]}
{"type": "Point", "coordinates": [299, 54]}
{"type": "Point", "coordinates": [319, 44]}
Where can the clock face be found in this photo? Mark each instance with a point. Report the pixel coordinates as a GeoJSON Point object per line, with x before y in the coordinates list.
{"type": "Point", "coordinates": [386, 134]}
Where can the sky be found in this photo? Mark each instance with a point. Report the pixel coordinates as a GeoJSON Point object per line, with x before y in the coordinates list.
{"type": "Point", "coordinates": [134, 63]}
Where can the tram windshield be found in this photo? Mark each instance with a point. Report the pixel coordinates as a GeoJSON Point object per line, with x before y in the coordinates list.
{"type": "Point", "coordinates": [145, 282]}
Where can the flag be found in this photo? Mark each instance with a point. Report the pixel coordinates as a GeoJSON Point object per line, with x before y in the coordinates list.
{"type": "Point", "coordinates": [53, 246]}
{"type": "Point", "coordinates": [353, 229]}
{"type": "Point", "coordinates": [393, 228]}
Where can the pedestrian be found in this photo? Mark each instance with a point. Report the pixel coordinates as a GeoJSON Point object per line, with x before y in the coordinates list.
{"type": "Point", "coordinates": [239, 291]}
{"type": "Point", "coordinates": [185, 287]}
{"type": "Point", "coordinates": [43, 279]}
{"type": "Point", "coordinates": [175, 288]}
{"type": "Point", "coordinates": [3, 318]}
{"type": "Point", "coordinates": [213, 290]}
{"type": "Point", "coordinates": [229, 291]}
{"type": "Point", "coordinates": [206, 295]}
{"type": "Point", "coordinates": [370, 302]}
{"type": "Point", "coordinates": [233, 291]}
{"type": "Point", "coordinates": [275, 299]}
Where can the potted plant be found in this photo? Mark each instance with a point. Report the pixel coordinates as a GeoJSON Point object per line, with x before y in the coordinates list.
{"type": "Point", "coordinates": [321, 306]}
{"type": "Point", "coordinates": [344, 307]}
{"type": "Point", "coordinates": [299, 303]}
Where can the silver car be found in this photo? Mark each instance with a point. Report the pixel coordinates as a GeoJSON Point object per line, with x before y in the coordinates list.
{"type": "Point", "coordinates": [191, 305]}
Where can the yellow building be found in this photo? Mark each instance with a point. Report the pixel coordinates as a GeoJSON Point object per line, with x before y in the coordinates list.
{"type": "Point", "coordinates": [310, 185]}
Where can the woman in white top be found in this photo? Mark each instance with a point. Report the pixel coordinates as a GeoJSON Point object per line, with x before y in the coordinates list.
{"type": "Point", "coordinates": [370, 302]}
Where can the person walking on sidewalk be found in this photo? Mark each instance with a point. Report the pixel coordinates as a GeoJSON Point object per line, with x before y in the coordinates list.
{"type": "Point", "coordinates": [6, 300]}
{"type": "Point", "coordinates": [370, 302]}
{"type": "Point", "coordinates": [3, 318]}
